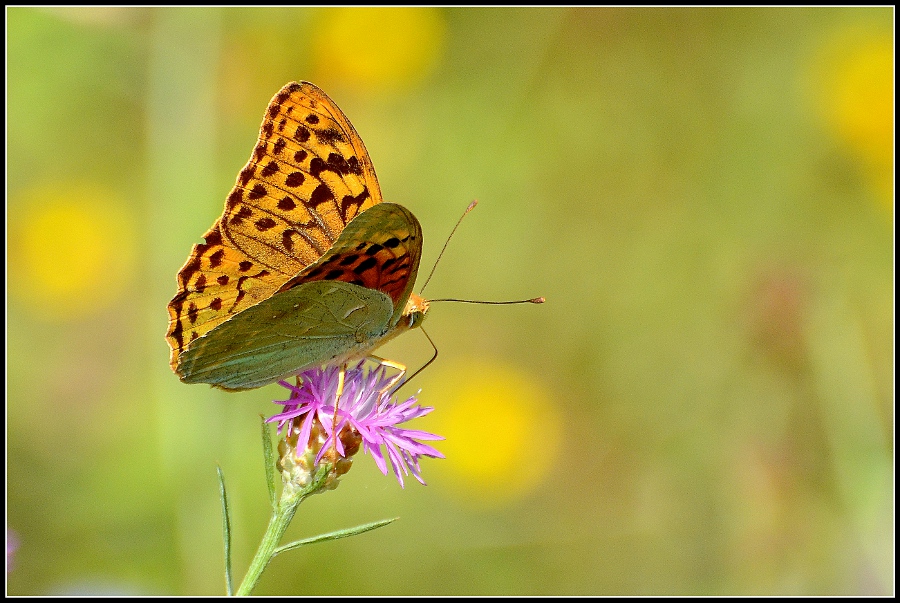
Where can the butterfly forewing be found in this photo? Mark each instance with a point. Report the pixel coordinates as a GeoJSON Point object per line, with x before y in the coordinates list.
{"type": "Point", "coordinates": [380, 250]}
{"type": "Point", "coordinates": [307, 178]}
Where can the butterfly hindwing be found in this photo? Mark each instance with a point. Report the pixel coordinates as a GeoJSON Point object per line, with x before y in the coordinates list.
{"type": "Point", "coordinates": [309, 324]}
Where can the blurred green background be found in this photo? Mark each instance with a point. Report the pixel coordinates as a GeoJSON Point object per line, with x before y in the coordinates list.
{"type": "Point", "coordinates": [704, 405]}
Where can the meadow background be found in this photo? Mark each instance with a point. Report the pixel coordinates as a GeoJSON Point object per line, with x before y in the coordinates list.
{"type": "Point", "coordinates": [705, 197]}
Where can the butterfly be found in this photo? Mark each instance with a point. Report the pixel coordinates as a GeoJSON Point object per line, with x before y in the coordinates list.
{"type": "Point", "coordinates": [307, 264]}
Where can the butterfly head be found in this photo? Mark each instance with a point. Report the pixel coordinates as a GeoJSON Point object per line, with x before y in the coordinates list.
{"type": "Point", "coordinates": [414, 313]}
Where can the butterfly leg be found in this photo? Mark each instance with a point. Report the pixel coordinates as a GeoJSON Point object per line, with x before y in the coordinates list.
{"type": "Point", "coordinates": [390, 364]}
{"type": "Point", "coordinates": [337, 398]}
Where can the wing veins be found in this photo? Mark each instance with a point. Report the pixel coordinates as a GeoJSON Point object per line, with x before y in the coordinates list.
{"type": "Point", "coordinates": [296, 226]}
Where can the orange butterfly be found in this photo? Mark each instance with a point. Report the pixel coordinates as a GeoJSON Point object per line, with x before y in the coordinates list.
{"type": "Point", "coordinates": [306, 265]}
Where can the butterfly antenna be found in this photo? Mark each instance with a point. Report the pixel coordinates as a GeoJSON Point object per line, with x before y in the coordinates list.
{"type": "Point", "coordinates": [534, 300]}
{"type": "Point", "coordinates": [468, 209]}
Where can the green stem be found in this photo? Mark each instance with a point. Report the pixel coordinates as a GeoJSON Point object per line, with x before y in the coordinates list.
{"type": "Point", "coordinates": [278, 524]}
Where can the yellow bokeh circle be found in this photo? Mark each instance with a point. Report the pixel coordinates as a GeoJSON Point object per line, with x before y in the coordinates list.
{"type": "Point", "coordinates": [72, 250]}
{"type": "Point", "coordinates": [859, 96]}
{"type": "Point", "coordinates": [855, 94]}
{"type": "Point", "coordinates": [377, 48]}
{"type": "Point", "coordinates": [502, 430]}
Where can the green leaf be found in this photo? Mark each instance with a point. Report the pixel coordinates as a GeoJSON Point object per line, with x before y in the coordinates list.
{"type": "Point", "coordinates": [226, 529]}
{"type": "Point", "coordinates": [335, 535]}
{"type": "Point", "coordinates": [269, 460]}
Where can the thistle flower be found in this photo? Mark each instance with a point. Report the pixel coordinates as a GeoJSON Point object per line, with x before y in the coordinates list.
{"type": "Point", "coordinates": [366, 417]}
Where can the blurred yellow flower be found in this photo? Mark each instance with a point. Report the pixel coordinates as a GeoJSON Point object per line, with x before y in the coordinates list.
{"type": "Point", "coordinates": [72, 250]}
{"type": "Point", "coordinates": [503, 431]}
{"type": "Point", "coordinates": [856, 97]}
{"type": "Point", "coordinates": [99, 15]}
{"type": "Point", "coordinates": [377, 48]}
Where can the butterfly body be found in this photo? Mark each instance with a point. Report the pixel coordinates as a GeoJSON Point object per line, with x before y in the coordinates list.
{"type": "Point", "coordinates": [306, 265]}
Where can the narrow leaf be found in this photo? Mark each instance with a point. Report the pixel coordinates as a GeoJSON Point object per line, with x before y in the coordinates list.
{"type": "Point", "coordinates": [334, 535]}
{"type": "Point", "coordinates": [269, 460]}
{"type": "Point", "coordinates": [226, 529]}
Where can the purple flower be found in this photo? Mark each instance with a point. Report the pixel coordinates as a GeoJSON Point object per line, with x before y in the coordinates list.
{"type": "Point", "coordinates": [365, 412]}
